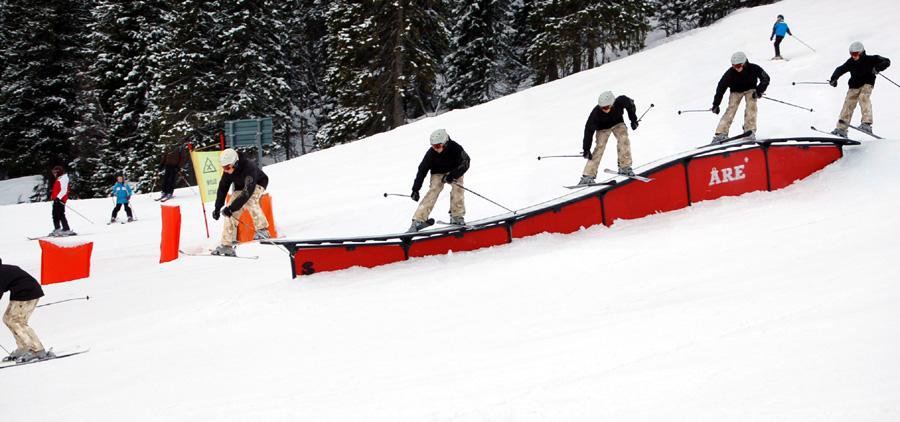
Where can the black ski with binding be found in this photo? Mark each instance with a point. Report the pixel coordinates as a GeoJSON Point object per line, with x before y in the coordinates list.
{"type": "Point", "coordinates": [13, 364]}
{"type": "Point", "coordinates": [856, 128]}
{"type": "Point", "coordinates": [223, 256]}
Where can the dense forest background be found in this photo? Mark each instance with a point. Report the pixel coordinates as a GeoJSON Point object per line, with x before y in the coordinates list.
{"type": "Point", "coordinates": [104, 87]}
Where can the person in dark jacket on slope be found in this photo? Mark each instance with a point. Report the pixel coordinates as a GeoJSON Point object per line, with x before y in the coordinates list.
{"type": "Point", "coordinates": [863, 68]}
{"type": "Point", "coordinates": [607, 118]}
{"type": "Point", "coordinates": [249, 185]}
{"type": "Point", "coordinates": [746, 81]}
{"type": "Point", "coordinates": [24, 293]}
{"type": "Point", "coordinates": [171, 163]}
{"type": "Point", "coordinates": [448, 162]}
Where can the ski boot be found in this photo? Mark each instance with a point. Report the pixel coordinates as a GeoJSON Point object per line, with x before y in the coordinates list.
{"type": "Point", "coordinates": [719, 138]}
{"type": "Point", "coordinates": [866, 127]}
{"type": "Point", "coordinates": [750, 137]}
{"type": "Point", "coordinates": [416, 226]}
{"type": "Point", "coordinates": [262, 234]}
{"type": "Point", "coordinates": [626, 171]}
{"type": "Point", "coordinates": [15, 355]}
{"type": "Point", "coordinates": [458, 221]}
{"type": "Point", "coordinates": [112, 220]}
{"type": "Point", "coordinates": [130, 219]}
{"type": "Point", "coordinates": [586, 180]}
{"type": "Point", "coordinates": [223, 250]}
{"type": "Point", "coordinates": [65, 232]}
{"type": "Point", "coordinates": [30, 356]}
{"type": "Point", "coordinates": [840, 132]}
{"type": "Point", "coordinates": [55, 233]}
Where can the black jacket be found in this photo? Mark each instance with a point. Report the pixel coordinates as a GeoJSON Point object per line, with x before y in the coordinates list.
{"type": "Point", "coordinates": [453, 160]}
{"type": "Point", "coordinates": [598, 120]}
{"type": "Point", "coordinates": [245, 177]}
{"type": "Point", "coordinates": [21, 285]}
{"type": "Point", "coordinates": [752, 77]}
{"type": "Point", "coordinates": [861, 71]}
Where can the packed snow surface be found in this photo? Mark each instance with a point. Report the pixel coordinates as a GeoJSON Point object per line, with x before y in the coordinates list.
{"type": "Point", "coordinates": [769, 306]}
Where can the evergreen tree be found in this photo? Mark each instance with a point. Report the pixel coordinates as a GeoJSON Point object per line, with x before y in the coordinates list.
{"type": "Point", "coordinates": [43, 57]}
{"type": "Point", "coordinates": [674, 16]}
{"type": "Point", "coordinates": [114, 110]}
{"type": "Point", "coordinates": [481, 50]}
{"type": "Point", "coordinates": [306, 34]}
{"type": "Point", "coordinates": [383, 59]}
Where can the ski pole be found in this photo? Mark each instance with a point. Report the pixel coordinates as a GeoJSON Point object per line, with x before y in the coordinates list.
{"type": "Point", "coordinates": [786, 103]}
{"type": "Point", "coordinates": [801, 42]}
{"type": "Point", "coordinates": [65, 300]}
{"type": "Point", "coordinates": [559, 156]}
{"type": "Point", "coordinates": [645, 113]}
{"type": "Point", "coordinates": [4, 349]}
{"type": "Point", "coordinates": [78, 213]}
{"type": "Point", "coordinates": [482, 197]}
{"type": "Point", "coordinates": [693, 111]}
{"type": "Point", "coordinates": [889, 80]}
{"type": "Point", "coordinates": [809, 83]}
{"type": "Point", "coordinates": [396, 194]}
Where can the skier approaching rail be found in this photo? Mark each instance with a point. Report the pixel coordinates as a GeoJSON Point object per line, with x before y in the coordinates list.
{"type": "Point", "coordinates": [448, 162]}
{"type": "Point", "coordinates": [249, 185]}
{"type": "Point", "coordinates": [863, 68]}
{"type": "Point", "coordinates": [607, 118]}
{"type": "Point", "coordinates": [24, 293]}
{"type": "Point", "coordinates": [746, 81]}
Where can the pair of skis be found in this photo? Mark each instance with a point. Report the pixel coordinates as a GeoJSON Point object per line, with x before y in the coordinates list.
{"type": "Point", "coordinates": [122, 222]}
{"type": "Point", "coordinates": [856, 128]}
{"type": "Point", "coordinates": [51, 237]}
{"type": "Point", "coordinates": [610, 182]}
{"type": "Point", "coordinates": [183, 252]}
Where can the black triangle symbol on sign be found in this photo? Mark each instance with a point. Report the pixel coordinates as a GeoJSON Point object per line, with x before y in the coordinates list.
{"type": "Point", "coordinates": [208, 166]}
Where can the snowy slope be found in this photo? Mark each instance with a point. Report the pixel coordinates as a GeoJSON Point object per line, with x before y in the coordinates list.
{"type": "Point", "coordinates": [18, 190]}
{"type": "Point", "coordinates": [769, 306]}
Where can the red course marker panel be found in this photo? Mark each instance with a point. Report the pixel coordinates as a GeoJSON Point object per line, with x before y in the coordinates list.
{"type": "Point", "coordinates": [728, 174]}
{"type": "Point", "coordinates": [466, 241]}
{"type": "Point", "coordinates": [790, 163]}
{"type": "Point", "coordinates": [570, 218]}
{"type": "Point", "coordinates": [313, 260]}
{"type": "Point", "coordinates": [667, 192]}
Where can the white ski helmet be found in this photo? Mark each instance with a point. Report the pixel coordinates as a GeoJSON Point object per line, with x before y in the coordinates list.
{"type": "Point", "coordinates": [738, 58]}
{"type": "Point", "coordinates": [228, 157]}
{"type": "Point", "coordinates": [857, 47]}
{"type": "Point", "coordinates": [439, 136]}
{"type": "Point", "coordinates": [606, 99]}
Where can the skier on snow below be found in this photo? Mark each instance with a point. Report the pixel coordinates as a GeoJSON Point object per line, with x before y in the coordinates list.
{"type": "Point", "coordinates": [778, 32]}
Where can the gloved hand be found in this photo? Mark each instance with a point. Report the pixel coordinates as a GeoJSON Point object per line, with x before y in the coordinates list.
{"type": "Point", "coordinates": [874, 71]}
{"type": "Point", "coordinates": [715, 109]}
{"type": "Point", "coordinates": [227, 211]}
{"type": "Point", "coordinates": [771, 38]}
{"type": "Point", "coordinates": [833, 83]}
{"type": "Point", "coordinates": [587, 155]}
{"type": "Point", "coordinates": [634, 125]}
{"type": "Point", "coordinates": [215, 214]}
{"type": "Point", "coordinates": [57, 200]}
{"type": "Point", "coordinates": [415, 195]}
{"type": "Point", "coordinates": [448, 178]}
{"type": "Point", "coordinates": [758, 94]}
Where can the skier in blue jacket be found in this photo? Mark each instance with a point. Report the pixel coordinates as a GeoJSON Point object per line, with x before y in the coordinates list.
{"type": "Point", "coordinates": [123, 194]}
{"type": "Point", "coordinates": [778, 32]}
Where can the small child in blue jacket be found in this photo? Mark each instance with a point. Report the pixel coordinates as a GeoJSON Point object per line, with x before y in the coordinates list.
{"type": "Point", "coordinates": [122, 192]}
{"type": "Point", "coordinates": [779, 30]}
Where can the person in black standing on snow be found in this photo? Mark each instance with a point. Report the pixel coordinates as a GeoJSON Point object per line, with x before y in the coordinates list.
{"type": "Point", "coordinates": [748, 82]}
{"type": "Point", "coordinates": [448, 162]}
{"type": "Point", "coordinates": [171, 163]}
{"type": "Point", "coordinates": [59, 194]}
{"type": "Point", "coordinates": [863, 68]}
{"type": "Point", "coordinates": [24, 293]}
{"type": "Point", "coordinates": [607, 118]}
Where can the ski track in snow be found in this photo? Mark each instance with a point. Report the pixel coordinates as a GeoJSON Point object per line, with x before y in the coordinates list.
{"type": "Point", "coordinates": [769, 306]}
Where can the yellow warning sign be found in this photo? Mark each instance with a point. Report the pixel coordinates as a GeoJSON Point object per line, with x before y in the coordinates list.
{"type": "Point", "coordinates": [208, 174]}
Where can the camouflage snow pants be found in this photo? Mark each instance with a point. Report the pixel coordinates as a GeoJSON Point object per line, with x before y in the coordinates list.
{"type": "Point", "coordinates": [229, 234]}
{"type": "Point", "coordinates": [734, 100]}
{"type": "Point", "coordinates": [16, 318]}
{"type": "Point", "coordinates": [861, 96]}
{"type": "Point", "coordinates": [623, 147]}
{"type": "Point", "coordinates": [457, 199]}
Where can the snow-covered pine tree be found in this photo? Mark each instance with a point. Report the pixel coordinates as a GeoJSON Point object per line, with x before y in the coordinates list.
{"type": "Point", "coordinates": [123, 35]}
{"type": "Point", "coordinates": [383, 57]}
{"type": "Point", "coordinates": [306, 35]}
{"type": "Point", "coordinates": [480, 52]}
{"type": "Point", "coordinates": [256, 65]}
{"type": "Point", "coordinates": [187, 70]}
{"type": "Point", "coordinates": [674, 16]}
{"type": "Point", "coordinates": [43, 56]}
